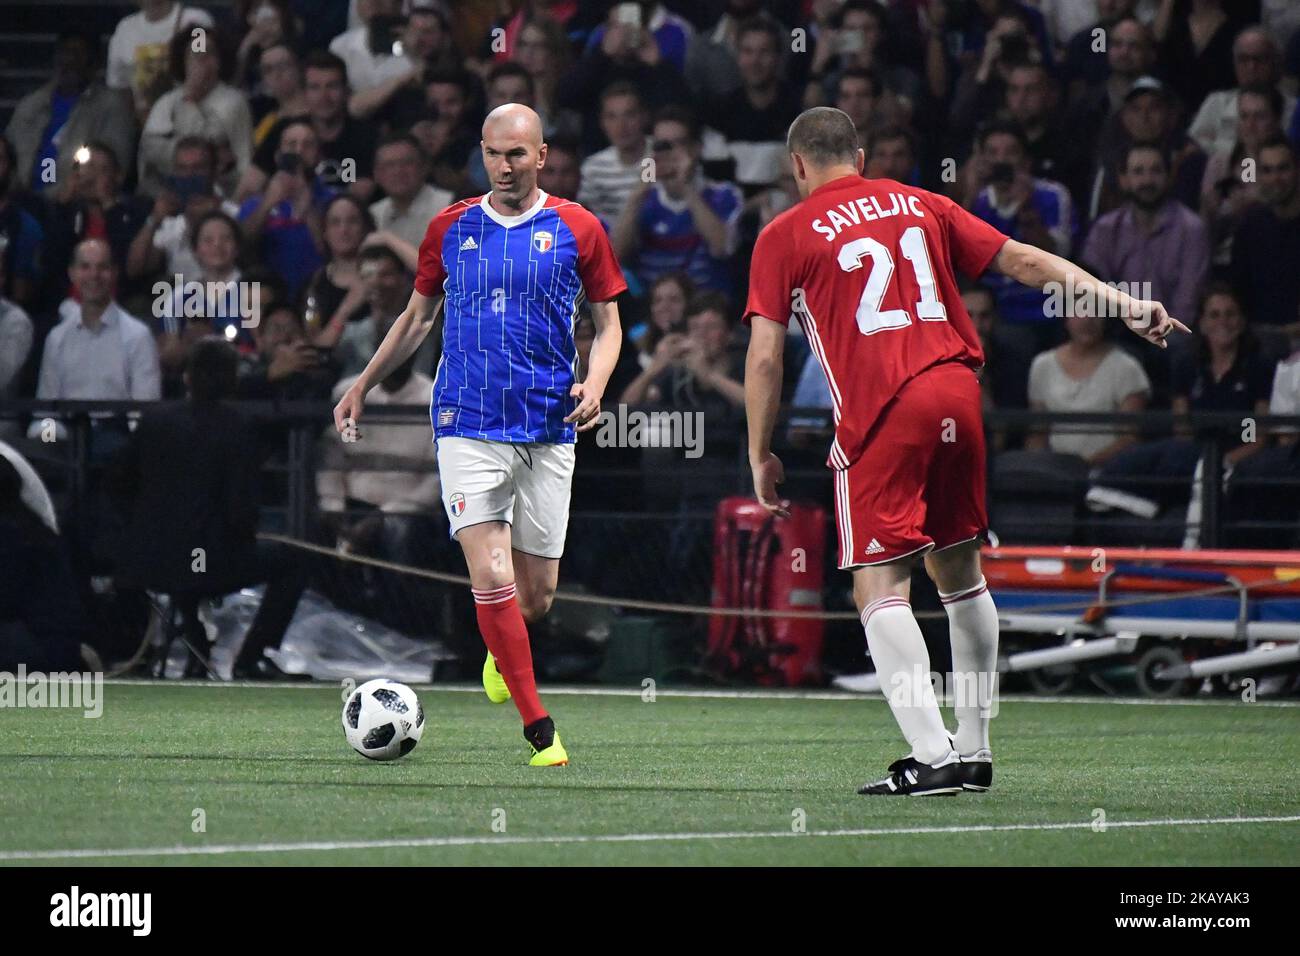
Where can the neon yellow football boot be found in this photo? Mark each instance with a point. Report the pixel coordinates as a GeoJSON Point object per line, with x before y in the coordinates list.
{"type": "Point", "coordinates": [545, 744]}
{"type": "Point", "coordinates": [553, 756]}
{"type": "Point", "coordinates": [494, 685]}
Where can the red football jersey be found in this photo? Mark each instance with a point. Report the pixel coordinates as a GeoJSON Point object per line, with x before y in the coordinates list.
{"type": "Point", "coordinates": [866, 266]}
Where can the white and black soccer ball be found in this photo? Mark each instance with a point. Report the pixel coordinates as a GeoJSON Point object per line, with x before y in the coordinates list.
{"type": "Point", "coordinates": [383, 720]}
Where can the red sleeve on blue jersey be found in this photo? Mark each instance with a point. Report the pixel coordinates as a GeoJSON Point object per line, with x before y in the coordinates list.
{"type": "Point", "coordinates": [430, 271]}
{"type": "Point", "coordinates": [972, 242]}
{"type": "Point", "coordinates": [602, 278]}
{"type": "Point", "coordinates": [770, 286]}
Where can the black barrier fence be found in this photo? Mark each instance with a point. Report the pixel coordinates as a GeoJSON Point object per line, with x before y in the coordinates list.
{"type": "Point", "coordinates": [1207, 480]}
{"type": "Point", "coordinates": [642, 522]}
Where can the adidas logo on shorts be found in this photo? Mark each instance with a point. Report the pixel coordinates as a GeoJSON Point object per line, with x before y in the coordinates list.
{"type": "Point", "coordinates": [875, 547]}
{"type": "Point", "coordinates": [468, 244]}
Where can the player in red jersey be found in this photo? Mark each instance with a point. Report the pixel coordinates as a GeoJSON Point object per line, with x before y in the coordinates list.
{"type": "Point", "coordinates": [866, 266]}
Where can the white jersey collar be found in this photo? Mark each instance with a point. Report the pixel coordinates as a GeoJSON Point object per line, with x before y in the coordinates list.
{"type": "Point", "coordinates": [523, 217]}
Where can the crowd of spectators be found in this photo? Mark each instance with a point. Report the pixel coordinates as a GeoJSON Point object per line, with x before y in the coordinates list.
{"type": "Point", "coordinates": [283, 158]}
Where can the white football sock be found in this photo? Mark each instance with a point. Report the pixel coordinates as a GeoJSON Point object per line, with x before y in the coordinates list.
{"type": "Point", "coordinates": [903, 666]}
{"type": "Point", "coordinates": [973, 628]}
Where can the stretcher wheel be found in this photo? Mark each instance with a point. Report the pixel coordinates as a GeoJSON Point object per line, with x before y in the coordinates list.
{"type": "Point", "coordinates": [1152, 661]}
{"type": "Point", "coordinates": [1050, 681]}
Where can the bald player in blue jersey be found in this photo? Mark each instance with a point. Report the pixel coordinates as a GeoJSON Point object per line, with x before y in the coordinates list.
{"type": "Point", "coordinates": [509, 270]}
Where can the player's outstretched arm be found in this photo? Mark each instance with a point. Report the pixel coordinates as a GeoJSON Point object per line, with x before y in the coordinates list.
{"type": "Point", "coordinates": [763, 368]}
{"type": "Point", "coordinates": [1036, 267]}
{"type": "Point", "coordinates": [600, 365]}
{"type": "Point", "coordinates": [406, 335]}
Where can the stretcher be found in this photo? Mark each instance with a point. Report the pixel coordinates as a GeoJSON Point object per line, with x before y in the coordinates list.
{"type": "Point", "coordinates": [1178, 616]}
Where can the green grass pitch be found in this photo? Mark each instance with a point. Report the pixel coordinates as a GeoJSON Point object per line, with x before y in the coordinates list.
{"type": "Point", "coordinates": [270, 771]}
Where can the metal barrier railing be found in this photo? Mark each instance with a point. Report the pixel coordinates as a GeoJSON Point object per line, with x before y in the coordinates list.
{"type": "Point", "coordinates": [303, 423]}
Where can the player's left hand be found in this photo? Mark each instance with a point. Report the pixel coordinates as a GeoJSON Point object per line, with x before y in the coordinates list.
{"type": "Point", "coordinates": [587, 414]}
{"type": "Point", "coordinates": [1151, 321]}
{"type": "Point", "coordinates": [768, 473]}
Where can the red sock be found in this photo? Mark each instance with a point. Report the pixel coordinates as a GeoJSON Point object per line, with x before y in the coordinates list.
{"type": "Point", "coordinates": [506, 636]}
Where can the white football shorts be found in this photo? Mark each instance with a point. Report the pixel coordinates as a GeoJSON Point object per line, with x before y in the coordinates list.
{"type": "Point", "coordinates": [526, 486]}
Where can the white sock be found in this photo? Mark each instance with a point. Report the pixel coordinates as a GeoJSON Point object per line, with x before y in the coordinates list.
{"type": "Point", "coordinates": [973, 628]}
{"type": "Point", "coordinates": [903, 666]}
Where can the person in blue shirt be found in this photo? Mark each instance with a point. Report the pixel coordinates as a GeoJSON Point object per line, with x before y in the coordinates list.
{"type": "Point", "coordinates": [286, 218]}
{"type": "Point", "coordinates": [676, 220]}
{"type": "Point", "coordinates": [1036, 211]}
{"type": "Point", "coordinates": [669, 33]}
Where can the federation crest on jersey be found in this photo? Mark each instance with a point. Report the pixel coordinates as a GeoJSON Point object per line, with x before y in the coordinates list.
{"type": "Point", "coordinates": [542, 241]}
{"type": "Point", "coordinates": [456, 504]}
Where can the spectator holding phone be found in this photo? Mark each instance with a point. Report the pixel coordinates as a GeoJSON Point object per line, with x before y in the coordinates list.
{"type": "Point", "coordinates": [285, 365]}
{"type": "Point", "coordinates": [858, 39]}
{"type": "Point", "coordinates": [645, 30]}
{"type": "Point", "coordinates": [680, 221]}
{"type": "Point", "coordinates": [400, 56]}
{"type": "Point", "coordinates": [270, 23]}
{"type": "Point", "coordinates": [73, 108]}
{"type": "Point", "coordinates": [190, 192]}
{"type": "Point", "coordinates": [640, 43]}
{"type": "Point", "coordinates": [91, 205]}
{"type": "Point", "coordinates": [286, 219]}
{"type": "Point", "coordinates": [344, 146]}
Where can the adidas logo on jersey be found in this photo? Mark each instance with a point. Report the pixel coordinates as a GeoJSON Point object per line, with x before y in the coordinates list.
{"type": "Point", "coordinates": [468, 244]}
{"type": "Point", "coordinates": [875, 547]}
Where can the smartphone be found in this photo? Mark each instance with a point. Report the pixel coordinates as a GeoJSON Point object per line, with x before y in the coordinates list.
{"type": "Point", "coordinates": [628, 13]}
{"type": "Point", "coordinates": [187, 187]}
{"type": "Point", "coordinates": [384, 32]}
{"type": "Point", "coordinates": [849, 42]}
{"type": "Point", "coordinates": [289, 163]}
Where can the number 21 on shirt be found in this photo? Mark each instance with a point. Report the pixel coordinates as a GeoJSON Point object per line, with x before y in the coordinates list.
{"type": "Point", "coordinates": [869, 315]}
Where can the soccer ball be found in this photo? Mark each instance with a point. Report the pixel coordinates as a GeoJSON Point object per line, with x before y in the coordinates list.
{"type": "Point", "coordinates": [383, 720]}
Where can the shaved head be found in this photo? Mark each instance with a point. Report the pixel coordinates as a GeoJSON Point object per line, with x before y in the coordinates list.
{"type": "Point", "coordinates": [513, 153]}
{"type": "Point", "coordinates": [515, 121]}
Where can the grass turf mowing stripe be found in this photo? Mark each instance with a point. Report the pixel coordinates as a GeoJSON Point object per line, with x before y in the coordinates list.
{"type": "Point", "coordinates": [574, 691]}
{"type": "Point", "coordinates": [340, 845]}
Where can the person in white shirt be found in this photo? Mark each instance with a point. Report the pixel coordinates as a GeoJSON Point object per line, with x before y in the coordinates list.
{"type": "Point", "coordinates": [393, 492]}
{"type": "Point", "coordinates": [1086, 374]}
{"type": "Point", "coordinates": [202, 106]}
{"type": "Point", "coordinates": [410, 202]}
{"type": "Point", "coordinates": [425, 42]}
{"type": "Point", "coordinates": [98, 352]}
{"type": "Point", "coordinates": [610, 176]}
{"type": "Point", "coordinates": [366, 68]}
{"type": "Point", "coordinates": [138, 50]}
{"type": "Point", "coordinates": [163, 243]}
{"type": "Point", "coordinates": [1257, 63]}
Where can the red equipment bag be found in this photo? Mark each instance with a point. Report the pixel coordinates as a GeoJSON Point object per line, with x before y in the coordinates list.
{"type": "Point", "coordinates": [771, 564]}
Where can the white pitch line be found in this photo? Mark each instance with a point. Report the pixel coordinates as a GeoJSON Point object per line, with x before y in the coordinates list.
{"type": "Point", "coordinates": [573, 691]}
{"type": "Point", "coordinates": [433, 842]}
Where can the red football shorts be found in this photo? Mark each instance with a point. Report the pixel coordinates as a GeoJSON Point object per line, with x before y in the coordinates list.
{"type": "Point", "coordinates": [919, 483]}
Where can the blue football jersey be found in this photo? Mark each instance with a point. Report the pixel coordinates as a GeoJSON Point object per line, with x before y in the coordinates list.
{"type": "Point", "coordinates": [513, 285]}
